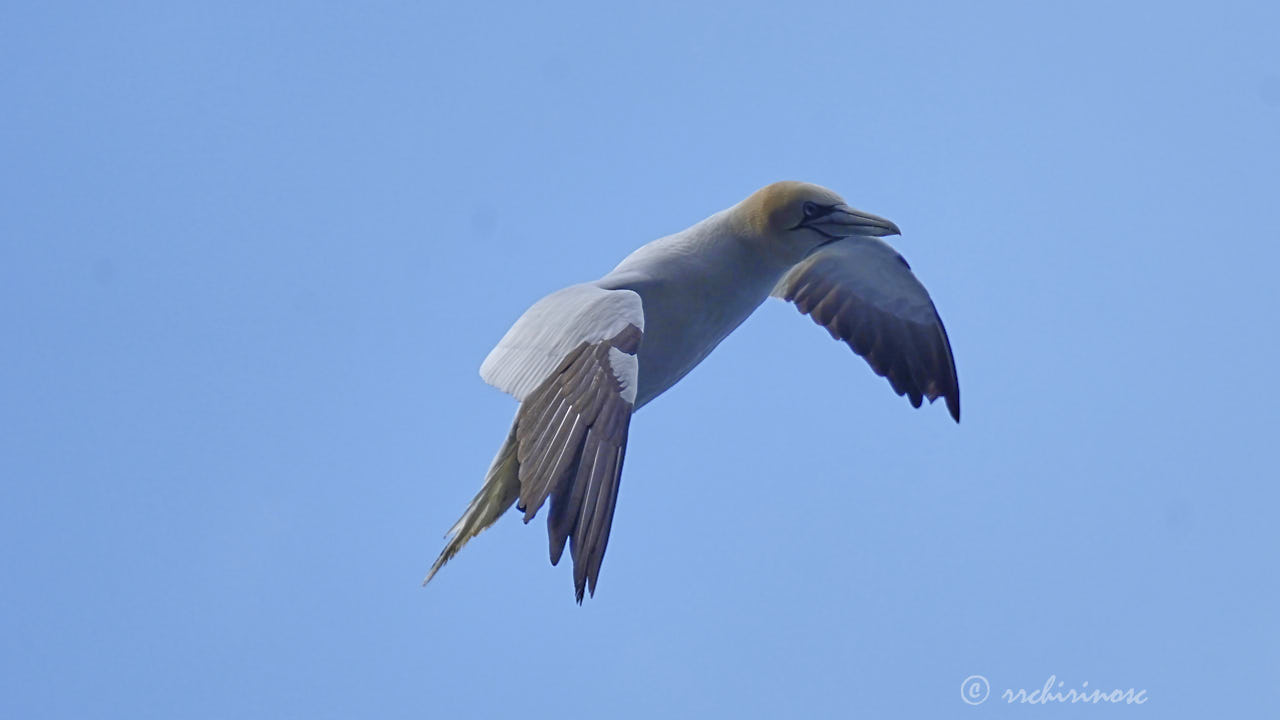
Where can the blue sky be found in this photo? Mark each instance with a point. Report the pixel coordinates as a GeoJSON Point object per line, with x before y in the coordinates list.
{"type": "Point", "coordinates": [252, 256]}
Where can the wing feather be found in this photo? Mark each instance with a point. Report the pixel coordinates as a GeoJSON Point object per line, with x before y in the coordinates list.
{"type": "Point", "coordinates": [541, 340]}
{"type": "Point", "coordinates": [863, 292]}
{"type": "Point", "coordinates": [575, 370]}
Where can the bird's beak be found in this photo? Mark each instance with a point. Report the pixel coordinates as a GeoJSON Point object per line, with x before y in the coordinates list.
{"type": "Point", "coordinates": [844, 221]}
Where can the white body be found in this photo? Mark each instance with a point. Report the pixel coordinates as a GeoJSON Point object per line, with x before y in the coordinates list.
{"type": "Point", "coordinates": [583, 359]}
{"type": "Point", "coordinates": [695, 287]}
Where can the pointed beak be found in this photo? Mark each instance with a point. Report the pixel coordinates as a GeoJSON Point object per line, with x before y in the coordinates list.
{"type": "Point", "coordinates": [844, 221]}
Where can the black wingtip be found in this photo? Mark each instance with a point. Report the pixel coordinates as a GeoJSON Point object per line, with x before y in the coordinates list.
{"type": "Point", "coordinates": [953, 406]}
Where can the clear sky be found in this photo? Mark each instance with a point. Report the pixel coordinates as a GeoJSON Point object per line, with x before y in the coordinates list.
{"type": "Point", "coordinates": [251, 257]}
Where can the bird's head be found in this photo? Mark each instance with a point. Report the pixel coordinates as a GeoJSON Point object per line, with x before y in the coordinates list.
{"type": "Point", "coordinates": [796, 217]}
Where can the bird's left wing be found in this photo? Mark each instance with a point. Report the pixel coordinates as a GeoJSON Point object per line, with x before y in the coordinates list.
{"type": "Point", "coordinates": [863, 292]}
{"type": "Point", "coordinates": [571, 361]}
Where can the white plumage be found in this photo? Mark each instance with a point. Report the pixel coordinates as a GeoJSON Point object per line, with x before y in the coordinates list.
{"type": "Point", "coordinates": [583, 359]}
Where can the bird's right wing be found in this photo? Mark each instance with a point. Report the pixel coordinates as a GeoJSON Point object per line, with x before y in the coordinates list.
{"type": "Point", "coordinates": [571, 361]}
{"type": "Point", "coordinates": [863, 292]}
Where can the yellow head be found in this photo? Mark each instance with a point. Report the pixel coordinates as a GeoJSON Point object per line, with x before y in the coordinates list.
{"type": "Point", "coordinates": [799, 217]}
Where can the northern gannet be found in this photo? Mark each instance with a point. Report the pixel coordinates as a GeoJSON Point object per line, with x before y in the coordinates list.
{"type": "Point", "coordinates": [583, 359]}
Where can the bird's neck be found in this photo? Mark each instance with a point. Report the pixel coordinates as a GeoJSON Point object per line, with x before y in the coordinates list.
{"type": "Point", "coordinates": [716, 251]}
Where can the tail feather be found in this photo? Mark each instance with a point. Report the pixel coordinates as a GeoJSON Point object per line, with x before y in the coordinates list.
{"type": "Point", "coordinates": [500, 490]}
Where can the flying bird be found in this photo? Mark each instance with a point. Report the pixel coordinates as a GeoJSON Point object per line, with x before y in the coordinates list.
{"type": "Point", "coordinates": [582, 360]}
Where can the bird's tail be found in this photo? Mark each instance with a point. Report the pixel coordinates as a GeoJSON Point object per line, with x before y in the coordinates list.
{"type": "Point", "coordinates": [501, 488]}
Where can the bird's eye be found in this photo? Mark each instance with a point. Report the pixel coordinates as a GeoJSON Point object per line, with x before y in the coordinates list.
{"type": "Point", "coordinates": [811, 210]}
